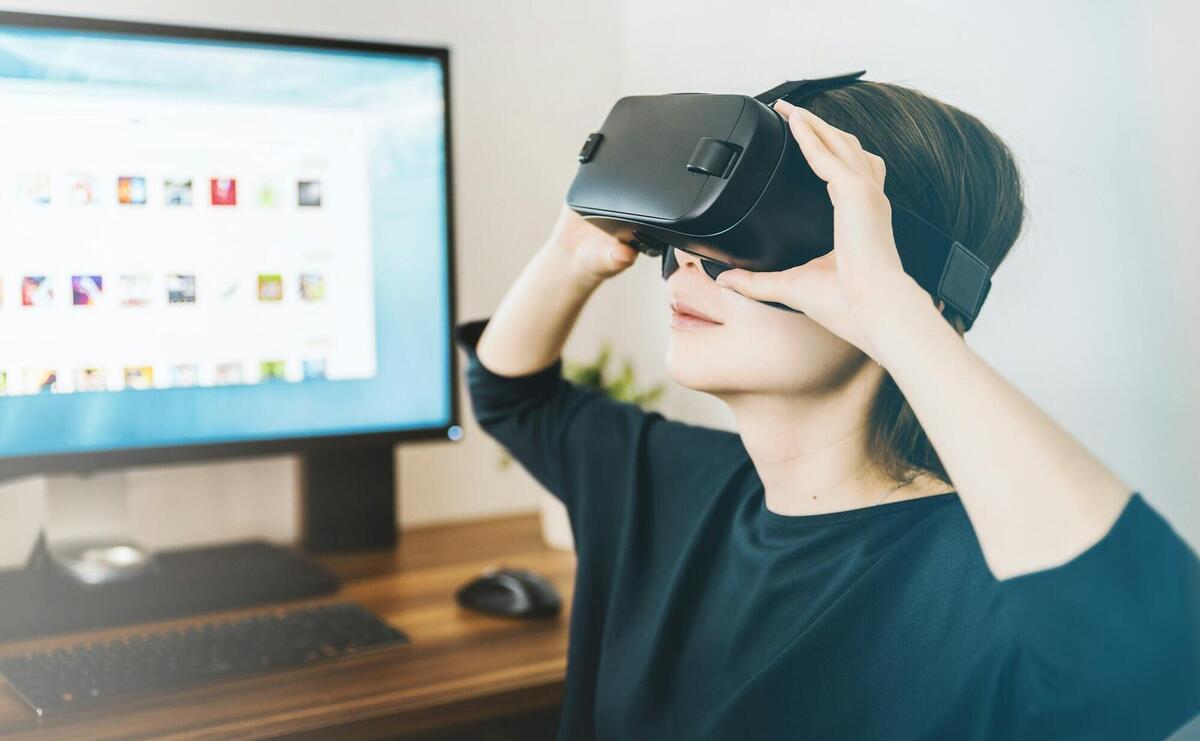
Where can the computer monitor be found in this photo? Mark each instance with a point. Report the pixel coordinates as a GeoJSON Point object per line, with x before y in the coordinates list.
{"type": "Point", "coordinates": [216, 243]}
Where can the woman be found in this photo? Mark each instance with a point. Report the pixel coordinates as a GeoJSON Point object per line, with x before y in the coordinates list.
{"type": "Point", "coordinates": [896, 543]}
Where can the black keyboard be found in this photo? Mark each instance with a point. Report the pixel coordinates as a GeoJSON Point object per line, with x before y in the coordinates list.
{"type": "Point", "coordinates": [88, 673]}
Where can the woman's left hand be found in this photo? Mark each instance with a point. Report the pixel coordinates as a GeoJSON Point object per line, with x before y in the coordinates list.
{"type": "Point", "coordinates": [863, 271]}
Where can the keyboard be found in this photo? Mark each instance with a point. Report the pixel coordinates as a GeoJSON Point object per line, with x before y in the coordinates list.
{"type": "Point", "coordinates": [89, 673]}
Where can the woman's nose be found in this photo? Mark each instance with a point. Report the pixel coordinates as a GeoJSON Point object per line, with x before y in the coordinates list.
{"type": "Point", "coordinates": [686, 259]}
{"type": "Point", "coordinates": [678, 257]}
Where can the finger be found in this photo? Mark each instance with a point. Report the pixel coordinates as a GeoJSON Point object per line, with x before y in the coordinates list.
{"type": "Point", "coordinates": [803, 138]}
{"type": "Point", "coordinates": [877, 167]}
{"type": "Point", "coordinates": [872, 163]}
{"type": "Point", "coordinates": [782, 286]}
{"type": "Point", "coordinates": [842, 143]}
{"type": "Point", "coordinates": [861, 156]}
{"type": "Point", "coordinates": [620, 256]}
{"type": "Point", "coordinates": [827, 165]}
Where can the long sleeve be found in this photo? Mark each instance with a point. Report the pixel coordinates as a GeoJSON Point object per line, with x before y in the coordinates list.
{"type": "Point", "coordinates": [1110, 641]}
{"type": "Point", "coordinates": [606, 460]}
{"type": "Point", "coordinates": [561, 432]}
{"type": "Point", "coordinates": [526, 414]}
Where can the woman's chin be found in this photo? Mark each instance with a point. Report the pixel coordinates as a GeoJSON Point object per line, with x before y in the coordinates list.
{"type": "Point", "coordinates": [689, 370]}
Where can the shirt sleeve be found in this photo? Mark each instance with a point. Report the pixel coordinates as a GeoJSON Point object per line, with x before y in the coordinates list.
{"type": "Point", "coordinates": [1110, 641]}
{"type": "Point", "coordinates": [569, 437]}
{"type": "Point", "coordinates": [610, 462]}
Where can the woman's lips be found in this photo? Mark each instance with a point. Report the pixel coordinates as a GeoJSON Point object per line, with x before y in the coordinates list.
{"type": "Point", "coordinates": [683, 318]}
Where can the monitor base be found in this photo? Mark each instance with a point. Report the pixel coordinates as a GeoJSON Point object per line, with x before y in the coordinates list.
{"type": "Point", "coordinates": [42, 599]}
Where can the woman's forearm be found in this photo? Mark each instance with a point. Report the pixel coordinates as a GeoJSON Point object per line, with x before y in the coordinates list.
{"type": "Point", "coordinates": [527, 331]}
{"type": "Point", "coordinates": [1035, 496]}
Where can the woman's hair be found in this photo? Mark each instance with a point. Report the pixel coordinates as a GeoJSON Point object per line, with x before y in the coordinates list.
{"type": "Point", "coordinates": [949, 168]}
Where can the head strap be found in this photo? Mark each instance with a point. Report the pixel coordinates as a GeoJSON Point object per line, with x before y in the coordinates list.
{"type": "Point", "coordinates": [794, 91]}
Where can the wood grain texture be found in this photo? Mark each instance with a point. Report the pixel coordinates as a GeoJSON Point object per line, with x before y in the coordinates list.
{"type": "Point", "coordinates": [460, 667]}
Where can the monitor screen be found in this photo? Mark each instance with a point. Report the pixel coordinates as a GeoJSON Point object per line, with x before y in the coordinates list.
{"type": "Point", "coordinates": [212, 239]}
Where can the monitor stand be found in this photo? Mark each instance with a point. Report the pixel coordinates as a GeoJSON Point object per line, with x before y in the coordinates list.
{"type": "Point", "coordinates": [86, 571]}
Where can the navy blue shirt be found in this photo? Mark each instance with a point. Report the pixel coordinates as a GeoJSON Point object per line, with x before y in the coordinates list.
{"type": "Point", "coordinates": [700, 614]}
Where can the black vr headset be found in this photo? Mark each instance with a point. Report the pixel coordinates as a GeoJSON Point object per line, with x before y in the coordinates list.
{"type": "Point", "coordinates": [721, 177]}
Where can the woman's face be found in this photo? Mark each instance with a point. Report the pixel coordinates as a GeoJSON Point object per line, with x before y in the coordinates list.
{"type": "Point", "coordinates": [749, 347]}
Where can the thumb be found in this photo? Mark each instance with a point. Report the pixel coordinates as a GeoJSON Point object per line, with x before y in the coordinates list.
{"type": "Point", "coordinates": [621, 256]}
{"type": "Point", "coordinates": [779, 286]}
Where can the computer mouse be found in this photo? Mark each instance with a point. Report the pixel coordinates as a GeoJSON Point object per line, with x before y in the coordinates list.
{"type": "Point", "coordinates": [510, 592]}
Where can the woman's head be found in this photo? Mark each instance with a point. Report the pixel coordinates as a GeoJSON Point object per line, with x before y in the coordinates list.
{"type": "Point", "coordinates": [943, 164]}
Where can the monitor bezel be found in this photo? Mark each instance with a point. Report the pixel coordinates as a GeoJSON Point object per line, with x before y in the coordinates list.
{"type": "Point", "coordinates": [86, 462]}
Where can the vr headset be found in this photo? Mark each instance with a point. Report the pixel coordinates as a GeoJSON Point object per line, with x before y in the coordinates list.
{"type": "Point", "coordinates": [721, 177]}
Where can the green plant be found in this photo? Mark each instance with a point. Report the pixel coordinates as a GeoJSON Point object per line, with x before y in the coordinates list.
{"type": "Point", "coordinates": [595, 374]}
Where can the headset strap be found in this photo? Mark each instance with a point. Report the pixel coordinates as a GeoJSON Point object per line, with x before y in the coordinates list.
{"type": "Point", "coordinates": [941, 265]}
{"type": "Point", "coordinates": [794, 91]}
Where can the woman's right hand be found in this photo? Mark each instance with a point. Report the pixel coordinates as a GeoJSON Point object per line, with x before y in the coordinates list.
{"type": "Point", "coordinates": [595, 255]}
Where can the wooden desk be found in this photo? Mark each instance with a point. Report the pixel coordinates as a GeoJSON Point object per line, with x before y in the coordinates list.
{"type": "Point", "coordinates": [461, 666]}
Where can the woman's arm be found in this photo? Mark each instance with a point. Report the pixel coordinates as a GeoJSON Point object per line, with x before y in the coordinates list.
{"type": "Point", "coordinates": [527, 331]}
{"type": "Point", "coordinates": [1105, 595]}
{"type": "Point", "coordinates": [1035, 496]}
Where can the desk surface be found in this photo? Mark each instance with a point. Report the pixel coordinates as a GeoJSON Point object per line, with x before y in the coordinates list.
{"type": "Point", "coordinates": [460, 666]}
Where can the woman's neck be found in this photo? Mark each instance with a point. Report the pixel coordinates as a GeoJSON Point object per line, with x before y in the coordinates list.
{"type": "Point", "coordinates": [810, 450]}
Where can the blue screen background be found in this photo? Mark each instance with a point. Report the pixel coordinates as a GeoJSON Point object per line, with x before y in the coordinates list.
{"type": "Point", "coordinates": [404, 98]}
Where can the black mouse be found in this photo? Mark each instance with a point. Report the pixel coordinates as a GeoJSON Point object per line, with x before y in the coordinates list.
{"type": "Point", "coordinates": [510, 592]}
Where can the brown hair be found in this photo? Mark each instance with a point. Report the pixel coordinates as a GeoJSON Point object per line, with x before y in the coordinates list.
{"type": "Point", "coordinates": [948, 167]}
